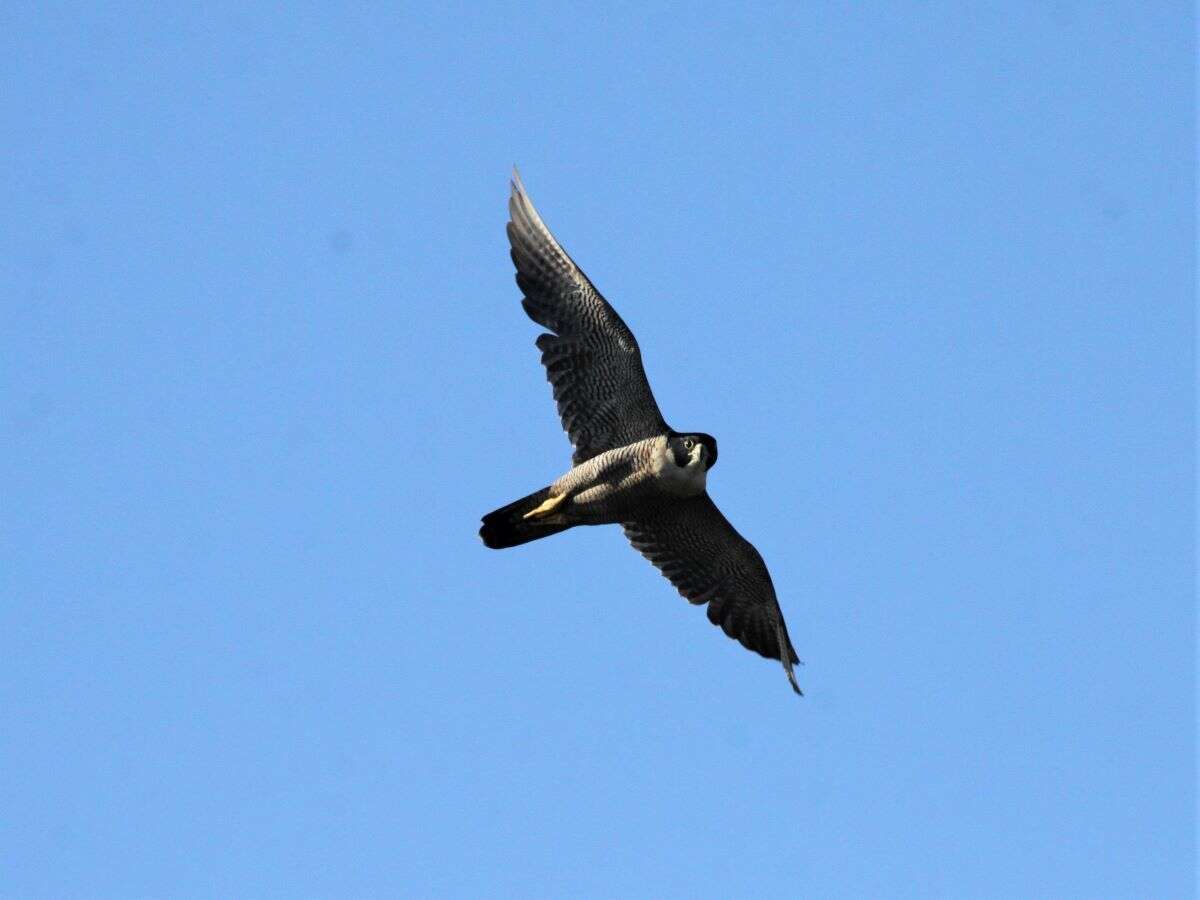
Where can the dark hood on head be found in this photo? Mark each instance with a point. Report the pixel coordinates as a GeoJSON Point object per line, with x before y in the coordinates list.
{"type": "Point", "coordinates": [674, 439]}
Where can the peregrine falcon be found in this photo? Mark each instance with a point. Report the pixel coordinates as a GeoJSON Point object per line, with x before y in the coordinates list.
{"type": "Point", "coordinates": [629, 467]}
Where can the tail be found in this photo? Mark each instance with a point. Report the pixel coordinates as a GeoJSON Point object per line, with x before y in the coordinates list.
{"type": "Point", "coordinates": [506, 528]}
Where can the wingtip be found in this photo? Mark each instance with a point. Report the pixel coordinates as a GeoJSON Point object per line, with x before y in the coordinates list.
{"type": "Point", "coordinates": [517, 185]}
{"type": "Point", "coordinates": [787, 655]}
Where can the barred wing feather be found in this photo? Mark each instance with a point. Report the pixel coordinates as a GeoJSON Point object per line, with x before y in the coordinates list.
{"type": "Point", "coordinates": [696, 548]}
{"type": "Point", "coordinates": [591, 357]}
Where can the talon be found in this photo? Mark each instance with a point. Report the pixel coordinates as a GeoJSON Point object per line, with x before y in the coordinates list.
{"type": "Point", "coordinates": [548, 506]}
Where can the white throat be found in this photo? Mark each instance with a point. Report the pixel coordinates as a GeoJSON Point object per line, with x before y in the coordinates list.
{"type": "Point", "coordinates": [682, 481]}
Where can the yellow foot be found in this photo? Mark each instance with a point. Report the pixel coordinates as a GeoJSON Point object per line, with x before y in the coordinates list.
{"type": "Point", "coordinates": [548, 506]}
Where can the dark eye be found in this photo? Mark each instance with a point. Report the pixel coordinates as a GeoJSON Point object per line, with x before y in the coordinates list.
{"type": "Point", "coordinates": [688, 443]}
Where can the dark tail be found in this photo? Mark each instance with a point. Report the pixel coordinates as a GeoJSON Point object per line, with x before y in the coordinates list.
{"type": "Point", "coordinates": [505, 527]}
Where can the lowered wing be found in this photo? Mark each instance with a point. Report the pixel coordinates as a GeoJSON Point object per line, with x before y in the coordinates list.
{"type": "Point", "coordinates": [695, 547]}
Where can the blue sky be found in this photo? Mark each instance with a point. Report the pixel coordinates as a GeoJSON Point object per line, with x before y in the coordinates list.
{"type": "Point", "coordinates": [925, 270]}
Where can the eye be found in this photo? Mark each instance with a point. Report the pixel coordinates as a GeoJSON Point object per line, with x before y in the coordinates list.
{"type": "Point", "coordinates": [688, 443]}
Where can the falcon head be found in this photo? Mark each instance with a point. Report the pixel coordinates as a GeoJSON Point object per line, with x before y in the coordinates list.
{"type": "Point", "coordinates": [691, 450]}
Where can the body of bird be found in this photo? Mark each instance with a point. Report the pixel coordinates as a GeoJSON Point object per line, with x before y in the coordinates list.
{"type": "Point", "coordinates": [607, 489]}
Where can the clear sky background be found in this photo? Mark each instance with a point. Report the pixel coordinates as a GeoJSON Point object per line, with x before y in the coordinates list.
{"type": "Point", "coordinates": [925, 270]}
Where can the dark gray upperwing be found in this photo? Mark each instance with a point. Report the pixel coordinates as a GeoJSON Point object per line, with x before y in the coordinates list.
{"type": "Point", "coordinates": [709, 562]}
{"type": "Point", "coordinates": [592, 359]}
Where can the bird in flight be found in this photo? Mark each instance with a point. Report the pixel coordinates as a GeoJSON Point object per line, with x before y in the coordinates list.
{"type": "Point", "coordinates": [629, 467]}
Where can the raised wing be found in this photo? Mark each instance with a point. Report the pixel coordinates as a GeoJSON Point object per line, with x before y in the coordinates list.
{"type": "Point", "coordinates": [592, 359]}
{"type": "Point", "coordinates": [709, 562]}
